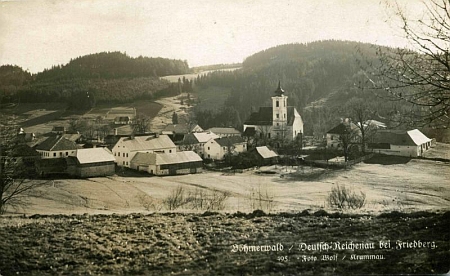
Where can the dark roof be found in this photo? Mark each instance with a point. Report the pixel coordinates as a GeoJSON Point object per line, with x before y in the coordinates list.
{"type": "Point", "coordinates": [249, 132]}
{"type": "Point", "coordinates": [400, 137]}
{"type": "Point", "coordinates": [342, 128]}
{"type": "Point", "coordinates": [177, 128]}
{"type": "Point", "coordinates": [56, 143]}
{"type": "Point", "coordinates": [228, 141]}
{"type": "Point", "coordinates": [279, 90]}
{"type": "Point", "coordinates": [264, 116]}
{"type": "Point", "coordinates": [23, 151]}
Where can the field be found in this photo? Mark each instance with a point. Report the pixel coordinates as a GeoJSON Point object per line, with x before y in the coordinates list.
{"type": "Point", "coordinates": [226, 244]}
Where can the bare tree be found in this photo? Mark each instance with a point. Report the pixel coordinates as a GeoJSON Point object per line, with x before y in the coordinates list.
{"type": "Point", "coordinates": [264, 132]}
{"type": "Point", "coordinates": [347, 139]}
{"type": "Point", "coordinates": [420, 75]}
{"type": "Point", "coordinates": [141, 124]}
{"type": "Point", "coordinates": [361, 113]}
{"type": "Point", "coordinates": [14, 184]}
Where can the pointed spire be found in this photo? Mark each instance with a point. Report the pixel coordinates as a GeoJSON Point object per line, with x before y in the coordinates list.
{"type": "Point", "coordinates": [279, 90]}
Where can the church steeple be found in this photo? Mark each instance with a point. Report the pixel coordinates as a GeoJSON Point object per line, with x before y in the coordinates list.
{"type": "Point", "coordinates": [279, 90]}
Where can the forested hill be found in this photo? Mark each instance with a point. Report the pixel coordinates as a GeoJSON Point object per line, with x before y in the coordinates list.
{"type": "Point", "coordinates": [105, 77]}
{"type": "Point", "coordinates": [111, 65]}
{"type": "Point", "coordinates": [318, 78]}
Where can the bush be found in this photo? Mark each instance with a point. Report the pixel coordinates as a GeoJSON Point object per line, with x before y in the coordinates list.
{"type": "Point", "coordinates": [261, 200]}
{"type": "Point", "coordinates": [344, 198]}
{"type": "Point", "coordinates": [197, 200]}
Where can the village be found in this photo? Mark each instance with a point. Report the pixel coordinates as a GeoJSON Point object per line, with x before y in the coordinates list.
{"type": "Point", "coordinates": [185, 148]}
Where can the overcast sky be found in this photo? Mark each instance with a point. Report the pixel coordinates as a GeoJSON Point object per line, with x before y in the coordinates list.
{"type": "Point", "coordinates": [37, 34]}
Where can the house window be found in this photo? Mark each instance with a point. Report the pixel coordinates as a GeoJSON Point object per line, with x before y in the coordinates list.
{"type": "Point", "coordinates": [170, 151]}
{"type": "Point", "coordinates": [285, 116]}
{"type": "Point", "coordinates": [115, 154]}
{"type": "Point", "coordinates": [278, 115]}
{"type": "Point", "coordinates": [54, 154]}
{"type": "Point", "coordinates": [332, 137]}
{"type": "Point", "coordinates": [277, 104]}
{"type": "Point", "coordinates": [123, 154]}
{"type": "Point", "coordinates": [127, 163]}
{"type": "Point", "coordinates": [278, 124]}
{"type": "Point", "coordinates": [123, 162]}
{"type": "Point", "coordinates": [127, 154]}
{"type": "Point", "coordinates": [118, 154]}
{"type": "Point", "coordinates": [208, 148]}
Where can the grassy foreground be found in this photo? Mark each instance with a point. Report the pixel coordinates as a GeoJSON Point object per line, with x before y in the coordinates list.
{"type": "Point", "coordinates": [226, 244]}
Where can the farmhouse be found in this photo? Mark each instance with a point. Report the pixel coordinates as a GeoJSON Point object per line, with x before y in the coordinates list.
{"type": "Point", "coordinates": [345, 128]}
{"type": "Point", "coordinates": [224, 131]}
{"type": "Point", "coordinates": [183, 162]}
{"type": "Point", "coordinates": [196, 142]}
{"type": "Point", "coordinates": [280, 122]}
{"type": "Point", "coordinates": [57, 147]}
{"type": "Point", "coordinates": [217, 148]}
{"type": "Point", "coordinates": [127, 147]}
{"type": "Point", "coordinates": [410, 143]}
{"type": "Point", "coordinates": [91, 162]}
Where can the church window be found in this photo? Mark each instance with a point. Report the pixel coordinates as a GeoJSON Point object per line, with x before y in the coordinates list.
{"type": "Point", "coordinates": [268, 135]}
{"type": "Point", "coordinates": [277, 104]}
{"type": "Point", "coordinates": [285, 116]}
{"type": "Point", "coordinates": [278, 115]}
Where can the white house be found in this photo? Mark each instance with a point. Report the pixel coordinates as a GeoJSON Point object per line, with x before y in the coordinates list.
{"type": "Point", "coordinates": [196, 142]}
{"type": "Point", "coordinates": [127, 147]}
{"type": "Point", "coordinates": [57, 147]}
{"type": "Point", "coordinates": [217, 148]}
{"type": "Point", "coordinates": [183, 162]}
{"type": "Point", "coordinates": [279, 121]}
{"type": "Point", "coordinates": [409, 143]}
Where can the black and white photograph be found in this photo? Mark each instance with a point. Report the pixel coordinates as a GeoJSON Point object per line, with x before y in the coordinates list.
{"type": "Point", "coordinates": [224, 137]}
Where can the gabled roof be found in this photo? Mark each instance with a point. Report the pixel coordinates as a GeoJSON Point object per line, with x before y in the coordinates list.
{"type": "Point", "coordinates": [57, 143]}
{"type": "Point", "coordinates": [224, 130]}
{"type": "Point", "coordinates": [198, 137]}
{"type": "Point", "coordinates": [72, 137]}
{"type": "Point", "coordinates": [264, 116]}
{"type": "Point", "coordinates": [94, 155]}
{"type": "Point", "coordinates": [342, 128]}
{"type": "Point", "coordinates": [139, 143]}
{"type": "Point", "coordinates": [401, 137]}
{"type": "Point", "coordinates": [229, 141]}
{"type": "Point", "coordinates": [177, 128]}
{"type": "Point", "coordinates": [166, 158]}
{"type": "Point", "coordinates": [265, 152]}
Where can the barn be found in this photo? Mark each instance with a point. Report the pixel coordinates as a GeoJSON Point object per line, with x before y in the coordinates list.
{"type": "Point", "coordinates": [183, 162]}
{"type": "Point", "coordinates": [409, 143]}
{"type": "Point", "coordinates": [91, 163]}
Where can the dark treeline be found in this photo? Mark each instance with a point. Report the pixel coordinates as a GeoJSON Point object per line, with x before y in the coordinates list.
{"type": "Point", "coordinates": [112, 65]}
{"type": "Point", "coordinates": [106, 77]}
{"type": "Point", "coordinates": [319, 78]}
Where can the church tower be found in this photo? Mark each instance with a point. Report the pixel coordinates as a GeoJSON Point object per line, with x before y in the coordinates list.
{"type": "Point", "coordinates": [279, 110]}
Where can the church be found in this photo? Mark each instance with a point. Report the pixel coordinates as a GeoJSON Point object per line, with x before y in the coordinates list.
{"type": "Point", "coordinates": [279, 121]}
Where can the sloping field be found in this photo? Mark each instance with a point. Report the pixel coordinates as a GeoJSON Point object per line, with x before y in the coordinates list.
{"type": "Point", "coordinates": [222, 244]}
{"type": "Point", "coordinates": [413, 186]}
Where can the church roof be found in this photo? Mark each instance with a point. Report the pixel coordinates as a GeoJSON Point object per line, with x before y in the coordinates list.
{"type": "Point", "coordinates": [264, 116]}
{"type": "Point", "coordinates": [279, 90]}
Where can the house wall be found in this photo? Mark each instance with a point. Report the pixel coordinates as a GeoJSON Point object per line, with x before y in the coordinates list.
{"type": "Point", "coordinates": [297, 126]}
{"type": "Point", "coordinates": [174, 169]}
{"type": "Point", "coordinates": [87, 170]}
{"type": "Point", "coordinates": [56, 154]}
{"type": "Point", "coordinates": [217, 152]}
{"type": "Point", "coordinates": [332, 140]}
{"type": "Point", "coordinates": [123, 155]}
{"type": "Point", "coordinates": [408, 151]}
